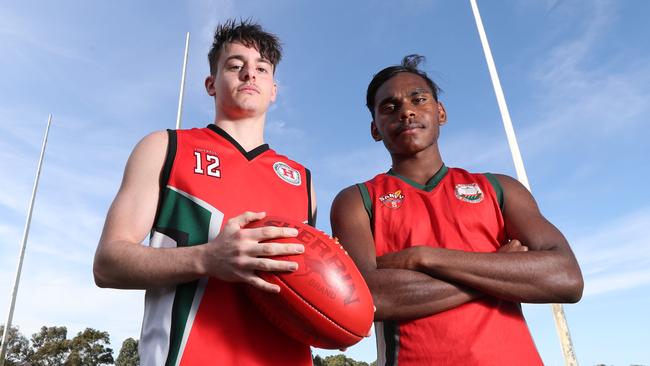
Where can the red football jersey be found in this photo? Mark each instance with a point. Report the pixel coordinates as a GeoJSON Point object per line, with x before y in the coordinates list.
{"type": "Point", "coordinates": [207, 179]}
{"type": "Point", "coordinates": [454, 210]}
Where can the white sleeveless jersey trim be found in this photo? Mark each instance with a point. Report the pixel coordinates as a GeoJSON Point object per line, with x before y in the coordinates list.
{"type": "Point", "coordinates": [381, 343]}
{"type": "Point", "coordinates": [387, 354]}
{"type": "Point", "coordinates": [156, 323]}
{"type": "Point", "coordinates": [198, 295]}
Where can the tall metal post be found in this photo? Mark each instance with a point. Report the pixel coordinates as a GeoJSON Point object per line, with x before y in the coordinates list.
{"type": "Point", "coordinates": [180, 97]}
{"type": "Point", "coordinates": [14, 292]}
{"type": "Point", "coordinates": [561, 324]}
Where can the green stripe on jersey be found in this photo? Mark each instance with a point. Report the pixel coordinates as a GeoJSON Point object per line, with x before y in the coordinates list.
{"type": "Point", "coordinates": [181, 213]}
{"type": "Point", "coordinates": [200, 222]}
{"type": "Point", "coordinates": [497, 188]}
{"type": "Point", "coordinates": [365, 196]}
{"type": "Point", "coordinates": [431, 183]}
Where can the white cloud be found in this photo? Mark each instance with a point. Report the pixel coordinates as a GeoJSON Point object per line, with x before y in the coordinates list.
{"type": "Point", "coordinates": [616, 256]}
{"type": "Point", "coordinates": [55, 296]}
{"type": "Point", "coordinates": [283, 132]}
{"type": "Point", "coordinates": [29, 34]}
{"type": "Point", "coordinates": [206, 15]}
{"type": "Point", "coordinates": [579, 104]}
{"type": "Point", "coordinates": [579, 91]}
{"type": "Point", "coordinates": [354, 165]}
{"type": "Point", "coordinates": [617, 282]}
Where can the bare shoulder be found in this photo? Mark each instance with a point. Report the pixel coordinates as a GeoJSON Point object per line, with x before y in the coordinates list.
{"type": "Point", "coordinates": [348, 198]}
{"type": "Point", "coordinates": [152, 146]}
{"type": "Point", "coordinates": [141, 181]}
{"type": "Point", "coordinates": [148, 156]}
{"type": "Point", "coordinates": [508, 182]}
{"type": "Point", "coordinates": [131, 214]}
{"type": "Point", "coordinates": [515, 193]}
{"type": "Point", "coordinates": [524, 220]}
{"type": "Point", "coordinates": [156, 137]}
{"type": "Point", "coordinates": [348, 212]}
{"type": "Point", "coordinates": [351, 224]}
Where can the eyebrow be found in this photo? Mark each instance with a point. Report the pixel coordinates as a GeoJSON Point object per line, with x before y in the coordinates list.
{"type": "Point", "coordinates": [418, 91]}
{"type": "Point", "coordinates": [243, 59]}
{"type": "Point", "coordinates": [393, 99]}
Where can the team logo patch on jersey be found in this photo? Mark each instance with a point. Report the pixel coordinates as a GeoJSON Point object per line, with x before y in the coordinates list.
{"type": "Point", "coordinates": [392, 200]}
{"type": "Point", "coordinates": [469, 193]}
{"type": "Point", "coordinates": [287, 173]}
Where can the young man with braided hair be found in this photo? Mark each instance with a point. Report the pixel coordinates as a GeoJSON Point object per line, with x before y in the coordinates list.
{"type": "Point", "coordinates": [448, 255]}
{"type": "Point", "coordinates": [194, 191]}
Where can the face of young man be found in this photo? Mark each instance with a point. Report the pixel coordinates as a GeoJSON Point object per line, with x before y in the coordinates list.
{"type": "Point", "coordinates": [407, 116]}
{"type": "Point", "coordinates": [244, 85]}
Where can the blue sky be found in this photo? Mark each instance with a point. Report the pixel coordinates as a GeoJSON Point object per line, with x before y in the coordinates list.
{"type": "Point", "coordinates": [576, 75]}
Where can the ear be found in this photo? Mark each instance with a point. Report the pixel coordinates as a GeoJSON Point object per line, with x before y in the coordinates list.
{"type": "Point", "coordinates": [374, 131]}
{"type": "Point", "coordinates": [274, 92]}
{"type": "Point", "coordinates": [209, 86]}
{"type": "Point", "coordinates": [442, 114]}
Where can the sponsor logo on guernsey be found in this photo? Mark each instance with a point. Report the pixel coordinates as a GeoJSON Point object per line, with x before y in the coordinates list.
{"type": "Point", "coordinates": [469, 193]}
{"type": "Point", "coordinates": [287, 173]}
{"type": "Point", "coordinates": [392, 200]}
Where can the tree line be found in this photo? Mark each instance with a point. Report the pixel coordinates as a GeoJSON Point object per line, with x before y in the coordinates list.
{"type": "Point", "coordinates": [50, 346]}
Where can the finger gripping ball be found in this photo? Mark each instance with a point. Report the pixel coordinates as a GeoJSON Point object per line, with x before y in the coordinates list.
{"type": "Point", "coordinates": [326, 302]}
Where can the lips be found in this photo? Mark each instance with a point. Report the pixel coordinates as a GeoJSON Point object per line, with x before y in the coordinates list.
{"type": "Point", "coordinates": [409, 127]}
{"type": "Point", "coordinates": [248, 88]}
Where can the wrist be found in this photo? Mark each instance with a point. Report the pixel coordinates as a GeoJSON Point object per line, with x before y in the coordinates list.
{"type": "Point", "coordinates": [425, 261]}
{"type": "Point", "coordinates": [199, 260]}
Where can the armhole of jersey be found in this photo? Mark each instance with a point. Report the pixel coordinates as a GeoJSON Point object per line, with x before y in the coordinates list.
{"type": "Point", "coordinates": [365, 196]}
{"type": "Point", "coordinates": [166, 171]}
{"type": "Point", "coordinates": [169, 159]}
{"type": "Point", "coordinates": [497, 188]}
{"type": "Point", "coordinates": [311, 218]}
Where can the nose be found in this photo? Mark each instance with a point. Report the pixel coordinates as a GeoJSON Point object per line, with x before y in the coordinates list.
{"type": "Point", "coordinates": [406, 112]}
{"type": "Point", "coordinates": [247, 72]}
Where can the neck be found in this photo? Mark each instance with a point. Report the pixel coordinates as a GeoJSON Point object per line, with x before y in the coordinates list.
{"type": "Point", "coordinates": [419, 167]}
{"type": "Point", "coordinates": [248, 132]}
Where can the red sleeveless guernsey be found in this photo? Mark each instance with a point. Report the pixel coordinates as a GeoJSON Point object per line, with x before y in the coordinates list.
{"type": "Point", "coordinates": [454, 210]}
{"type": "Point", "coordinates": [207, 179]}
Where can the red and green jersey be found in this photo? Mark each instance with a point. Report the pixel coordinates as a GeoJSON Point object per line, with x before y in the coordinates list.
{"type": "Point", "coordinates": [454, 210]}
{"type": "Point", "coordinates": [207, 179]}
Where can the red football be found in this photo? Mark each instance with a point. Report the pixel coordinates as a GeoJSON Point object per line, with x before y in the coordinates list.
{"type": "Point", "coordinates": [325, 303]}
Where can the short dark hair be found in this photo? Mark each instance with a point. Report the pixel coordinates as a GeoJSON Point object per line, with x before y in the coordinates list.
{"type": "Point", "coordinates": [247, 33]}
{"type": "Point", "coordinates": [409, 64]}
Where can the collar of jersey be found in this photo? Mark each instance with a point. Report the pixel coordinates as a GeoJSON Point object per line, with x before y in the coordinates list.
{"type": "Point", "coordinates": [431, 184]}
{"type": "Point", "coordinates": [250, 155]}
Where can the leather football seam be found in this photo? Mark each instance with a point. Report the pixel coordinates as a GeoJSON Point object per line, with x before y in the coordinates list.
{"type": "Point", "coordinates": [318, 311]}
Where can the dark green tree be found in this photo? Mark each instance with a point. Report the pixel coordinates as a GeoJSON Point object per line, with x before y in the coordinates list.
{"type": "Point", "coordinates": [341, 360]}
{"type": "Point", "coordinates": [318, 361]}
{"type": "Point", "coordinates": [90, 348]}
{"type": "Point", "coordinates": [128, 353]}
{"type": "Point", "coordinates": [18, 349]}
{"type": "Point", "coordinates": [50, 346]}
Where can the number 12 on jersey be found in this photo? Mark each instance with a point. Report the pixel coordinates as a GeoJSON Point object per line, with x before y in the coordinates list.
{"type": "Point", "coordinates": [212, 162]}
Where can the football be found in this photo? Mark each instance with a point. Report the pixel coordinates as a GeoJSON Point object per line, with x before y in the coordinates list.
{"type": "Point", "coordinates": [325, 303]}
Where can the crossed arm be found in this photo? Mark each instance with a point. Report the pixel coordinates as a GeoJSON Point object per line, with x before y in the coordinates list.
{"type": "Point", "coordinates": [234, 255]}
{"type": "Point", "coordinates": [538, 267]}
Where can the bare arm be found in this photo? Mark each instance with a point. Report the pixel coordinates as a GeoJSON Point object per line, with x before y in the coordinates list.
{"type": "Point", "coordinates": [548, 272]}
{"type": "Point", "coordinates": [397, 293]}
{"type": "Point", "coordinates": [314, 208]}
{"type": "Point", "coordinates": [122, 262]}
